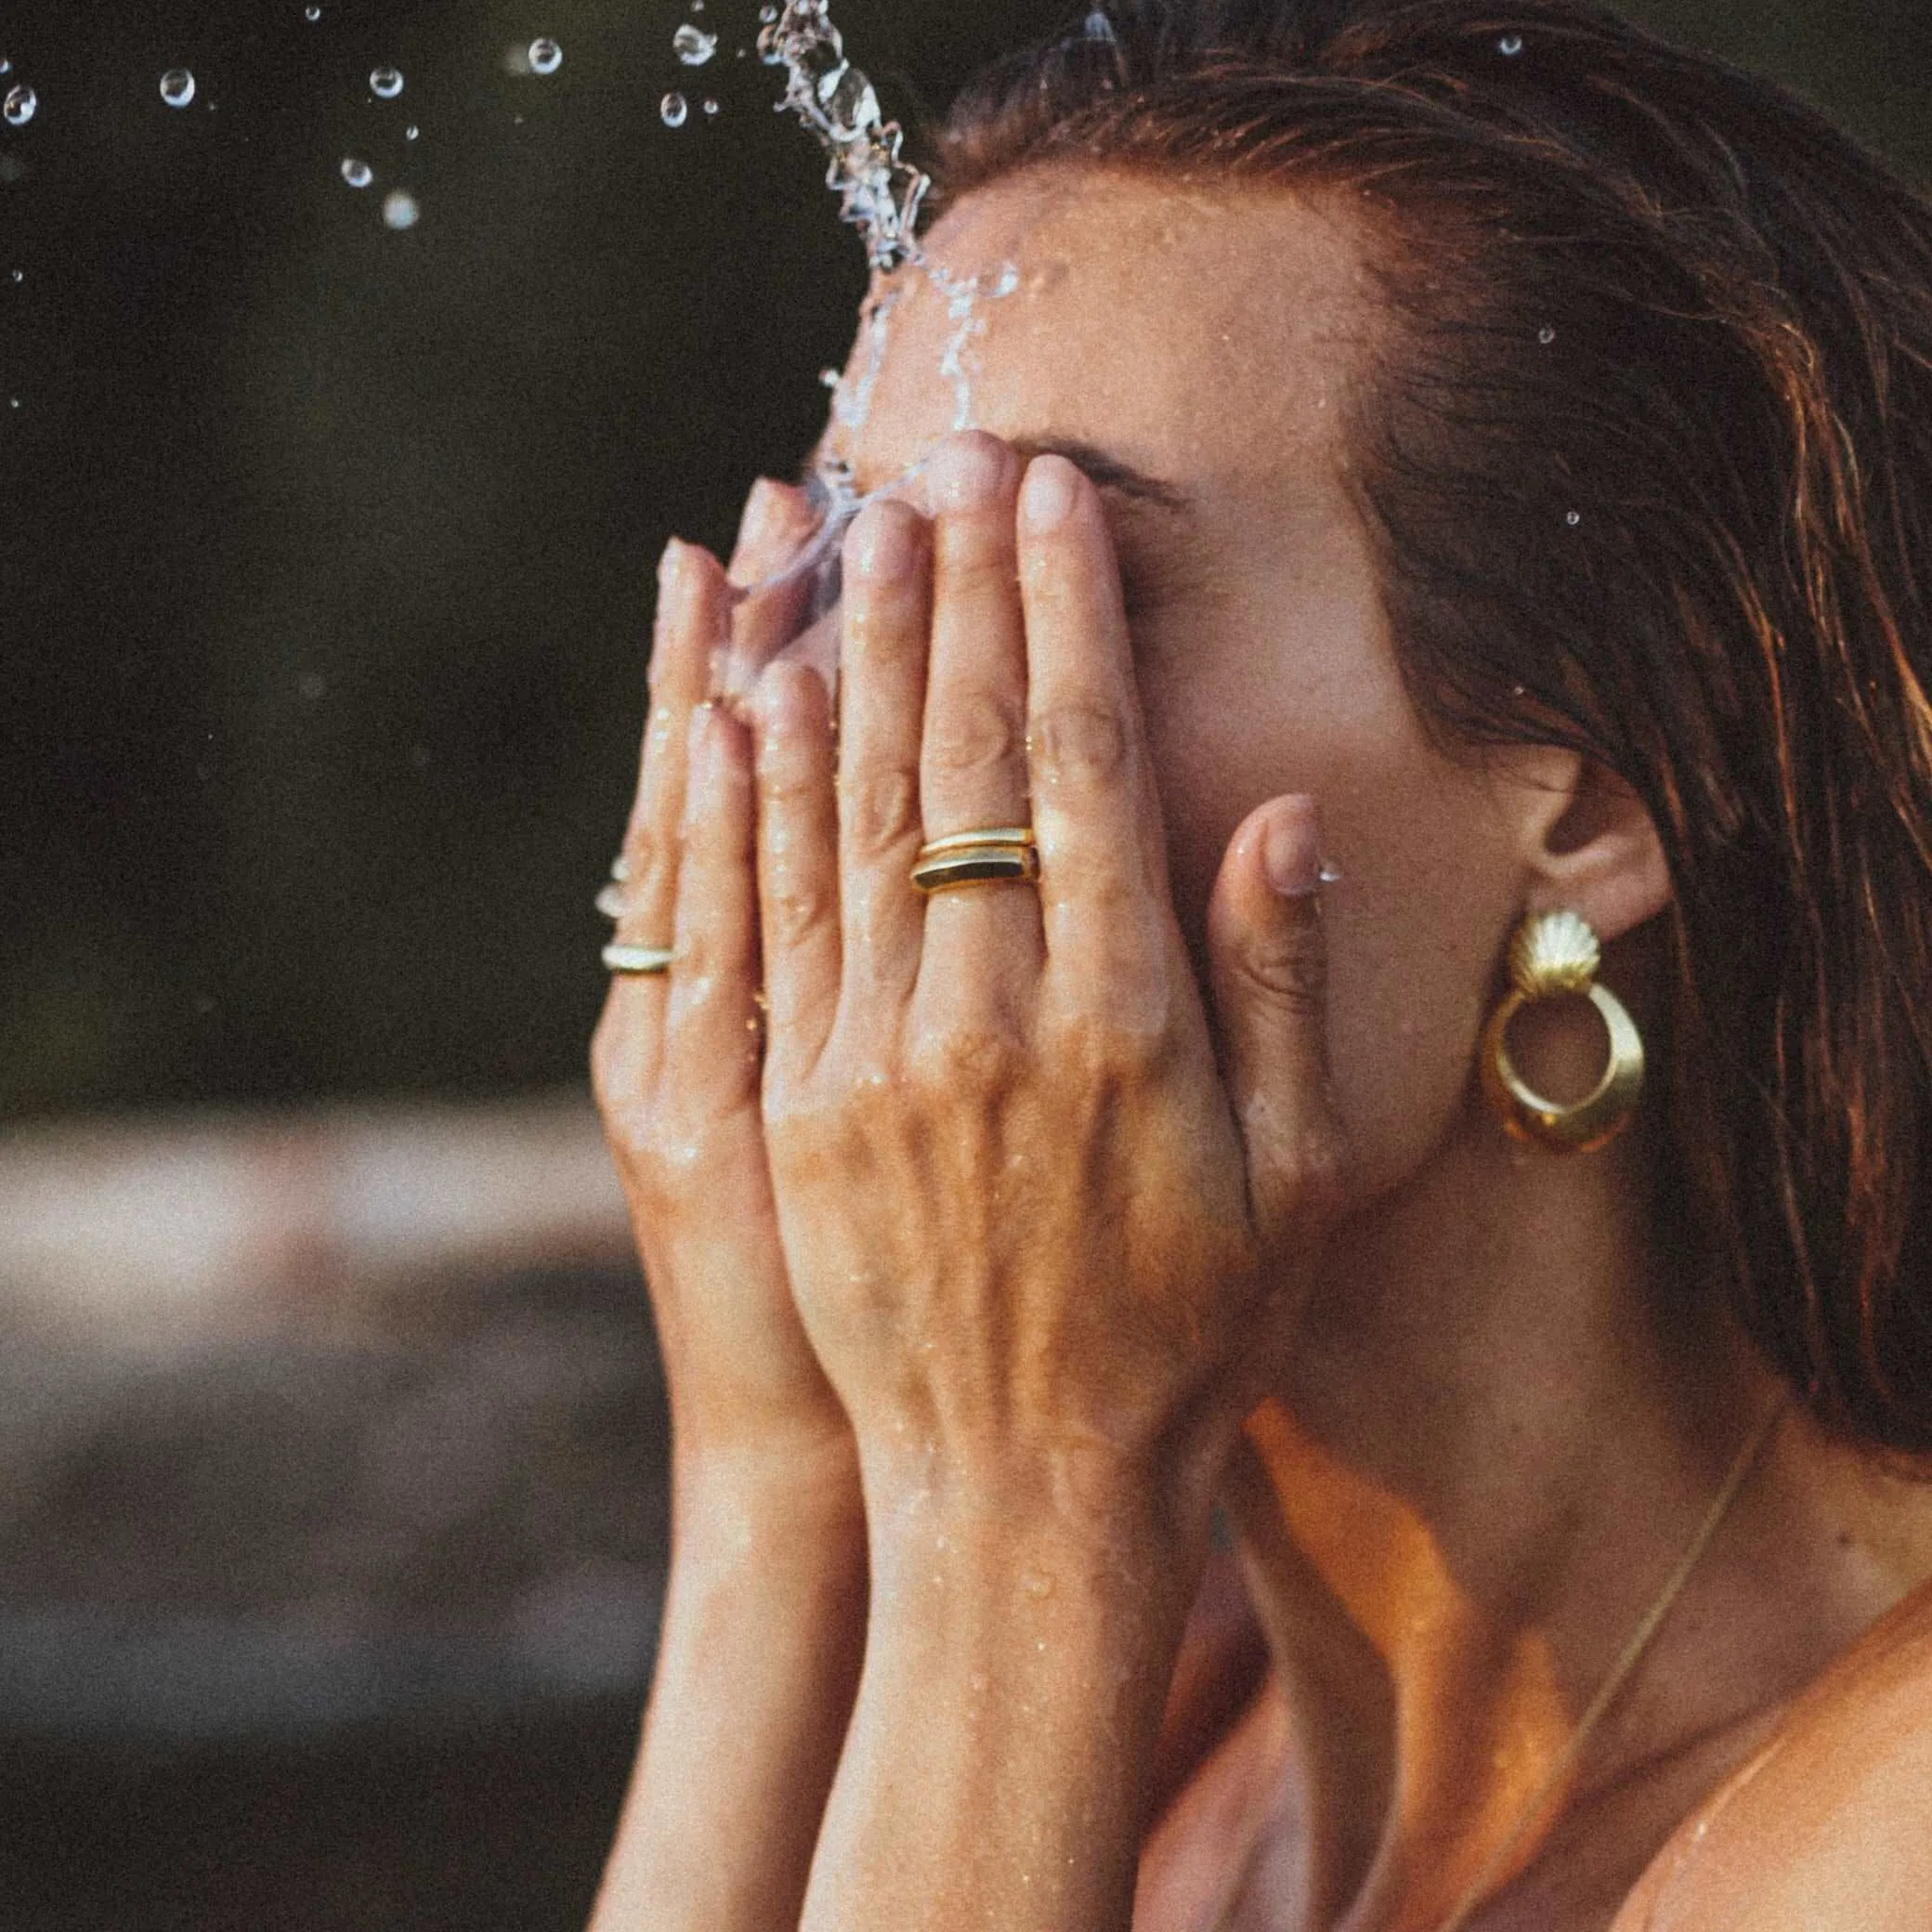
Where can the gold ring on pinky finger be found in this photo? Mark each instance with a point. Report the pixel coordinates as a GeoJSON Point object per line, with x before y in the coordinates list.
{"type": "Point", "coordinates": [638, 960]}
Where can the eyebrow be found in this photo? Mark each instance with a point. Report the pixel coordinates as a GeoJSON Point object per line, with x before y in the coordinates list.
{"type": "Point", "coordinates": [1104, 472]}
{"type": "Point", "coordinates": [1109, 473]}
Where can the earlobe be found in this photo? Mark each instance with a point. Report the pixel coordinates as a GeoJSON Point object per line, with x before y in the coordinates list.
{"type": "Point", "coordinates": [1588, 845]}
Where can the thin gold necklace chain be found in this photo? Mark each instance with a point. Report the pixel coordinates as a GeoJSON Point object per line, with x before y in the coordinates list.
{"type": "Point", "coordinates": [1620, 1672]}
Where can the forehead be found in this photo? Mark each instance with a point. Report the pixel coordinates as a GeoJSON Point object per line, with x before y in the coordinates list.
{"type": "Point", "coordinates": [1201, 334]}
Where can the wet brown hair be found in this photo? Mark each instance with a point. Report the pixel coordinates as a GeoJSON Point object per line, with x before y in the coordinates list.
{"type": "Point", "coordinates": [1649, 456]}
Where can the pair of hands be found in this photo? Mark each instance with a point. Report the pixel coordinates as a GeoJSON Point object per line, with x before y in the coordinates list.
{"type": "Point", "coordinates": [983, 1195]}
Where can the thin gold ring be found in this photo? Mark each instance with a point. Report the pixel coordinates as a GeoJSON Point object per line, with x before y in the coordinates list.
{"type": "Point", "coordinates": [993, 835]}
{"type": "Point", "coordinates": [637, 960]}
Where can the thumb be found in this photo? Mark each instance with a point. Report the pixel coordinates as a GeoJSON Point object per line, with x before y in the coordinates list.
{"type": "Point", "coordinates": [1268, 966]}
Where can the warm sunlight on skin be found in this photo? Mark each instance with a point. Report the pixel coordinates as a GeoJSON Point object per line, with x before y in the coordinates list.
{"type": "Point", "coordinates": [1381, 1558]}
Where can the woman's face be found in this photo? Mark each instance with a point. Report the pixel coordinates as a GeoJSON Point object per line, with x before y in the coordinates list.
{"type": "Point", "coordinates": [1191, 349]}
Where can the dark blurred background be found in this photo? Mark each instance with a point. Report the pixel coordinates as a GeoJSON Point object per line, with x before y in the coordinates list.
{"type": "Point", "coordinates": [331, 1487]}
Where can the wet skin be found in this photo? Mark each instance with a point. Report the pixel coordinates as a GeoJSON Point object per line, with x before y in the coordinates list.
{"type": "Point", "coordinates": [1485, 1446]}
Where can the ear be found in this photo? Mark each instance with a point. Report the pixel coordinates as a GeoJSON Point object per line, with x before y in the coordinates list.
{"type": "Point", "coordinates": [1585, 841]}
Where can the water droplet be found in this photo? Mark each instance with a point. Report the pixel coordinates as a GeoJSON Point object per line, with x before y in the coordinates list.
{"type": "Point", "coordinates": [767, 14]}
{"type": "Point", "coordinates": [20, 105]}
{"type": "Point", "coordinates": [311, 14]}
{"type": "Point", "coordinates": [1511, 44]}
{"type": "Point", "coordinates": [386, 83]}
{"type": "Point", "coordinates": [673, 107]}
{"type": "Point", "coordinates": [693, 46]}
{"type": "Point", "coordinates": [400, 210]}
{"type": "Point", "coordinates": [313, 685]}
{"type": "Point", "coordinates": [6, 66]}
{"type": "Point", "coordinates": [710, 109]}
{"type": "Point", "coordinates": [1330, 873]}
{"type": "Point", "coordinates": [410, 132]}
{"type": "Point", "coordinates": [357, 173]}
{"type": "Point", "coordinates": [1574, 518]}
{"type": "Point", "coordinates": [1099, 27]}
{"type": "Point", "coordinates": [547, 57]}
{"type": "Point", "coordinates": [1036, 1584]}
{"type": "Point", "coordinates": [177, 86]}
{"type": "Point", "coordinates": [829, 377]}
{"type": "Point", "coordinates": [1546, 336]}
{"type": "Point", "coordinates": [20, 275]}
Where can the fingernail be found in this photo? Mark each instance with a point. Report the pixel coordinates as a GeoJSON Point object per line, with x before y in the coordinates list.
{"type": "Point", "coordinates": [761, 508]}
{"type": "Point", "coordinates": [880, 544]}
{"type": "Point", "coordinates": [1291, 848]}
{"type": "Point", "coordinates": [668, 563]}
{"type": "Point", "coordinates": [970, 473]}
{"type": "Point", "coordinates": [1048, 500]}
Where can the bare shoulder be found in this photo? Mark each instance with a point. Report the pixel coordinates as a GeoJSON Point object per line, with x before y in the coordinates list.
{"type": "Point", "coordinates": [1831, 1824]}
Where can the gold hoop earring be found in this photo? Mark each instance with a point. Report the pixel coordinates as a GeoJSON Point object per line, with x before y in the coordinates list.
{"type": "Point", "coordinates": [1555, 955]}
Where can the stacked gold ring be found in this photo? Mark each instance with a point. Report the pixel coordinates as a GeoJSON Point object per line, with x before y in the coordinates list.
{"type": "Point", "coordinates": [640, 961]}
{"type": "Point", "coordinates": [988, 856]}
{"type": "Point", "coordinates": [620, 958]}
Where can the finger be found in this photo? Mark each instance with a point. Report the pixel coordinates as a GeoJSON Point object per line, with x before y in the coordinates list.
{"type": "Point", "coordinates": [881, 698]}
{"type": "Point", "coordinates": [778, 521]}
{"type": "Point", "coordinates": [693, 603]}
{"type": "Point", "coordinates": [1110, 929]}
{"type": "Point", "coordinates": [711, 1028]}
{"type": "Point", "coordinates": [798, 865]}
{"type": "Point", "coordinates": [1267, 969]}
{"type": "Point", "coordinates": [982, 942]}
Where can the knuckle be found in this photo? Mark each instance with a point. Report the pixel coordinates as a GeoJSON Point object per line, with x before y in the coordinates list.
{"type": "Point", "coordinates": [653, 862]}
{"type": "Point", "coordinates": [630, 1120]}
{"type": "Point", "coordinates": [698, 966]}
{"type": "Point", "coordinates": [799, 908]}
{"type": "Point", "coordinates": [971, 732]}
{"type": "Point", "coordinates": [882, 811]}
{"type": "Point", "coordinates": [975, 560]}
{"type": "Point", "coordinates": [1292, 975]}
{"type": "Point", "coordinates": [1084, 744]}
{"type": "Point", "coordinates": [1108, 1050]}
{"type": "Point", "coordinates": [968, 1057]}
{"type": "Point", "coordinates": [787, 780]}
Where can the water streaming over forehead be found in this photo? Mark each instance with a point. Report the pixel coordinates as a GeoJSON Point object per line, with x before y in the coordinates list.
{"type": "Point", "coordinates": [881, 193]}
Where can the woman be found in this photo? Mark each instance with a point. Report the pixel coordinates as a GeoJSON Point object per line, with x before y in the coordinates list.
{"type": "Point", "coordinates": [1450, 490]}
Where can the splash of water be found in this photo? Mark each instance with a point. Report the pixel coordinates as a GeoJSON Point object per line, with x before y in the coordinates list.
{"type": "Point", "coordinates": [880, 192]}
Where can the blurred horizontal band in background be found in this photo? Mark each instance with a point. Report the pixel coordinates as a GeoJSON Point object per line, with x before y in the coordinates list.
{"type": "Point", "coordinates": [331, 1498]}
